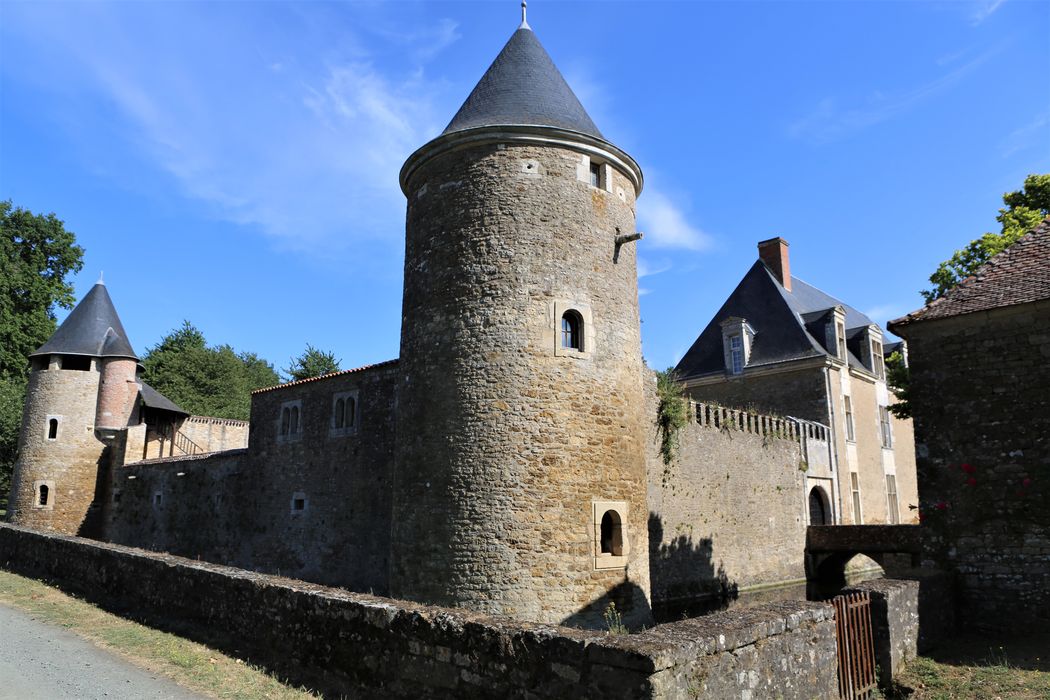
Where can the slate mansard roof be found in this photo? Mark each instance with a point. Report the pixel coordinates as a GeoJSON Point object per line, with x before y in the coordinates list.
{"type": "Point", "coordinates": [1018, 275]}
{"type": "Point", "coordinates": [523, 87]}
{"type": "Point", "coordinates": [785, 324]}
{"type": "Point", "coordinates": [92, 328]}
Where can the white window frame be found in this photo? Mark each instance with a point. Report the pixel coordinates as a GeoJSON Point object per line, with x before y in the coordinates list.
{"type": "Point", "coordinates": [892, 501]}
{"type": "Point", "coordinates": [851, 426]}
{"type": "Point", "coordinates": [885, 428]}
{"type": "Point", "coordinates": [857, 501]}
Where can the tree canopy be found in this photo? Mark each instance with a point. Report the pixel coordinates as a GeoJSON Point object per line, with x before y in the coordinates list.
{"type": "Point", "coordinates": [1024, 209]}
{"type": "Point", "coordinates": [37, 254]}
{"type": "Point", "coordinates": [312, 363]}
{"type": "Point", "coordinates": [206, 380]}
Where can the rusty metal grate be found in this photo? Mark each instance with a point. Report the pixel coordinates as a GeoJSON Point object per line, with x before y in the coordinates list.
{"type": "Point", "coordinates": [856, 651]}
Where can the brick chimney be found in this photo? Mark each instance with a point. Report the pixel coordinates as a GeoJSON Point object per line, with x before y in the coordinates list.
{"type": "Point", "coordinates": [774, 253]}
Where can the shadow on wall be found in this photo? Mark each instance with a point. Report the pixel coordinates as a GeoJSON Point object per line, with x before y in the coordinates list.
{"type": "Point", "coordinates": [93, 523]}
{"type": "Point", "coordinates": [631, 609]}
{"type": "Point", "coordinates": [685, 581]}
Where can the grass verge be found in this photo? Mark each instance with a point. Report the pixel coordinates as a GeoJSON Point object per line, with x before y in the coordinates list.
{"type": "Point", "coordinates": [975, 667]}
{"type": "Point", "coordinates": [189, 664]}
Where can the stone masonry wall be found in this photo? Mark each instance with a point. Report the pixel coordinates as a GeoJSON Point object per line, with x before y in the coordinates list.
{"type": "Point", "coordinates": [216, 434]}
{"type": "Point", "coordinates": [506, 442]}
{"type": "Point", "coordinates": [982, 430]}
{"type": "Point", "coordinates": [359, 645]}
{"type": "Point", "coordinates": [728, 513]}
{"type": "Point", "coordinates": [800, 393]}
{"type": "Point", "coordinates": [69, 464]}
{"type": "Point", "coordinates": [314, 505]}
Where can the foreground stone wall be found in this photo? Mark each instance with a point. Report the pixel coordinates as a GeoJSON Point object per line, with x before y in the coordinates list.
{"type": "Point", "coordinates": [314, 504]}
{"type": "Point", "coordinates": [982, 430]}
{"type": "Point", "coordinates": [728, 513]}
{"type": "Point", "coordinates": [365, 646]}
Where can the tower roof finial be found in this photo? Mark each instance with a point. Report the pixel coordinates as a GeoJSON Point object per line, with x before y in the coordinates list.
{"type": "Point", "coordinates": [524, 23]}
{"type": "Point", "coordinates": [100, 280]}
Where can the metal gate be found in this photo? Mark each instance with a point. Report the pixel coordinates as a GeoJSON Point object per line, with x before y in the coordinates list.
{"type": "Point", "coordinates": [856, 651]}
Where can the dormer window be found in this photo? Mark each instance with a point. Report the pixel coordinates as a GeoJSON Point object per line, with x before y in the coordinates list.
{"type": "Point", "coordinates": [736, 354]}
{"type": "Point", "coordinates": [736, 342]}
{"type": "Point", "coordinates": [840, 339]}
{"type": "Point", "coordinates": [878, 364]}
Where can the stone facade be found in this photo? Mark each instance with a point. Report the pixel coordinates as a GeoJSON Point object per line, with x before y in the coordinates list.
{"type": "Point", "coordinates": [982, 424]}
{"type": "Point", "coordinates": [728, 515]}
{"type": "Point", "coordinates": [313, 504]}
{"type": "Point", "coordinates": [358, 645]}
{"type": "Point", "coordinates": [57, 449]}
{"type": "Point", "coordinates": [505, 441]}
{"type": "Point", "coordinates": [207, 433]}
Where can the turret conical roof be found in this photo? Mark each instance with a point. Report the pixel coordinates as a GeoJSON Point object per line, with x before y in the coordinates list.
{"type": "Point", "coordinates": [92, 328]}
{"type": "Point", "coordinates": [523, 87]}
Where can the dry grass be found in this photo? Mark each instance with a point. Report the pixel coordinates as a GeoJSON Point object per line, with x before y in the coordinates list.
{"type": "Point", "coordinates": [976, 667]}
{"type": "Point", "coordinates": [189, 664]}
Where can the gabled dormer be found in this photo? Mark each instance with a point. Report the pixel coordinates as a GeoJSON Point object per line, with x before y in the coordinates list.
{"type": "Point", "coordinates": [865, 343]}
{"type": "Point", "coordinates": [737, 338]}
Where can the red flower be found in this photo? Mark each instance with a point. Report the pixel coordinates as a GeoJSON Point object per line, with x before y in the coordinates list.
{"type": "Point", "coordinates": [968, 468]}
{"type": "Point", "coordinates": [1026, 482]}
{"type": "Point", "coordinates": [941, 505]}
{"type": "Point", "coordinates": [971, 481]}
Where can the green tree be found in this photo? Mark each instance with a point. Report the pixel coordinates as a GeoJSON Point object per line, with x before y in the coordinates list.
{"type": "Point", "coordinates": [312, 363]}
{"type": "Point", "coordinates": [207, 381]}
{"type": "Point", "coordinates": [898, 377]}
{"type": "Point", "coordinates": [37, 254]}
{"type": "Point", "coordinates": [1024, 209]}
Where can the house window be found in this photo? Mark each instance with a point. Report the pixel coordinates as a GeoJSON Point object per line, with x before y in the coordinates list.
{"type": "Point", "coordinates": [43, 495]}
{"type": "Point", "coordinates": [840, 336]}
{"type": "Point", "coordinates": [851, 434]}
{"type": "Point", "coordinates": [289, 426]}
{"type": "Point", "coordinates": [158, 499]}
{"type": "Point", "coordinates": [344, 413]}
{"type": "Point", "coordinates": [854, 482]}
{"type": "Point", "coordinates": [891, 499]}
{"type": "Point", "coordinates": [596, 174]}
{"type": "Point", "coordinates": [886, 427]}
{"type": "Point", "coordinates": [52, 428]}
{"type": "Point", "coordinates": [736, 354]}
{"type": "Point", "coordinates": [299, 503]}
{"type": "Point", "coordinates": [877, 363]}
{"type": "Point", "coordinates": [572, 330]}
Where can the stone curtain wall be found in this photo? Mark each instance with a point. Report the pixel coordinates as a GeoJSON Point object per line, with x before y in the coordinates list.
{"type": "Point", "coordinates": [216, 434]}
{"type": "Point", "coordinates": [982, 427]}
{"type": "Point", "coordinates": [315, 505]}
{"type": "Point", "coordinates": [728, 513]}
{"type": "Point", "coordinates": [365, 646]}
{"type": "Point", "coordinates": [801, 393]}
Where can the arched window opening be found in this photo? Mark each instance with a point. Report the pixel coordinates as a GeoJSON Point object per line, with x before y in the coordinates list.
{"type": "Point", "coordinates": [285, 420]}
{"type": "Point", "coordinates": [45, 494]}
{"type": "Point", "coordinates": [294, 426]}
{"type": "Point", "coordinates": [612, 534]}
{"type": "Point", "coordinates": [52, 429]}
{"type": "Point", "coordinates": [818, 511]}
{"type": "Point", "coordinates": [572, 330]}
{"type": "Point", "coordinates": [340, 413]}
{"type": "Point", "coordinates": [351, 412]}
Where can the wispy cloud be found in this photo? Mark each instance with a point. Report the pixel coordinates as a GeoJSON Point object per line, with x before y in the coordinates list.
{"type": "Point", "coordinates": [1036, 132]}
{"type": "Point", "coordinates": [831, 121]}
{"type": "Point", "coordinates": [647, 268]}
{"type": "Point", "coordinates": [666, 225]}
{"type": "Point", "coordinates": [303, 145]}
{"type": "Point", "coordinates": [983, 9]}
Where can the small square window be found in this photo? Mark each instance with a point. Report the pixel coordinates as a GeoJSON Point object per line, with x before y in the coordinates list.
{"type": "Point", "coordinates": [299, 503]}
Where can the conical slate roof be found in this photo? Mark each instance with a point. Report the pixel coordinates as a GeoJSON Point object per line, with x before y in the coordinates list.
{"type": "Point", "coordinates": [523, 87]}
{"type": "Point", "coordinates": [92, 328]}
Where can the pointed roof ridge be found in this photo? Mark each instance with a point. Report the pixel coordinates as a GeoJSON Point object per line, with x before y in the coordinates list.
{"type": "Point", "coordinates": [523, 87]}
{"type": "Point", "coordinates": [92, 328]}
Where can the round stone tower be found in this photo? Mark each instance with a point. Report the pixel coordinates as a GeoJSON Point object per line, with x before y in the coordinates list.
{"type": "Point", "coordinates": [520, 480]}
{"type": "Point", "coordinates": [83, 369]}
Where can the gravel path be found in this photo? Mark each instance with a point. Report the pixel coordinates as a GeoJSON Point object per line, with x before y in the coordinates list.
{"type": "Point", "coordinates": [45, 662]}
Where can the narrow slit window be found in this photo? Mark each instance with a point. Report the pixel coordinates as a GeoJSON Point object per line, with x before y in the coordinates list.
{"type": "Point", "coordinates": [891, 498]}
{"type": "Point", "coordinates": [850, 429]}
{"type": "Point", "coordinates": [52, 429]}
{"type": "Point", "coordinates": [293, 428]}
{"type": "Point", "coordinates": [340, 412]}
{"type": "Point", "coordinates": [612, 534]}
{"type": "Point", "coordinates": [855, 487]}
{"type": "Point", "coordinates": [596, 174]}
{"type": "Point", "coordinates": [285, 420]}
{"type": "Point", "coordinates": [736, 354]}
{"type": "Point", "coordinates": [45, 495]}
{"type": "Point", "coordinates": [572, 330]}
{"type": "Point", "coordinates": [351, 412]}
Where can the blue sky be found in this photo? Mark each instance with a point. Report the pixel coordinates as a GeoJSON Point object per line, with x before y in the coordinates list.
{"type": "Point", "coordinates": [235, 164]}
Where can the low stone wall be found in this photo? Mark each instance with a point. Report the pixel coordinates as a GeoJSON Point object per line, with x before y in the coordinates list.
{"type": "Point", "coordinates": [366, 646]}
{"type": "Point", "coordinates": [894, 623]}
